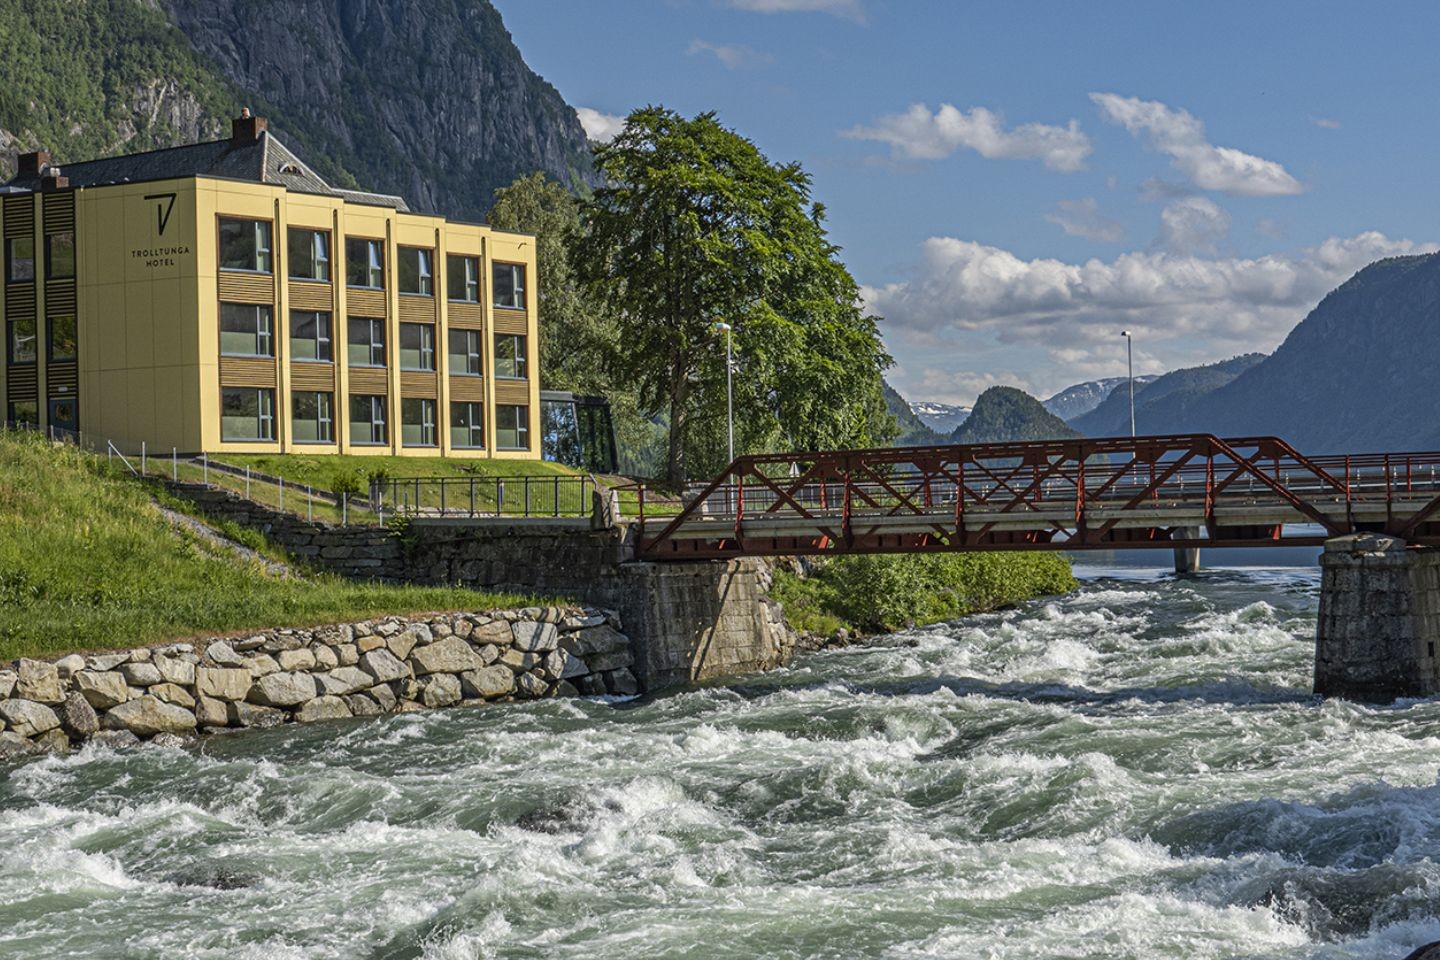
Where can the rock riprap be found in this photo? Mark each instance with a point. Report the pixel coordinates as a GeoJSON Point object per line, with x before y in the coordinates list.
{"type": "Point", "coordinates": [365, 669]}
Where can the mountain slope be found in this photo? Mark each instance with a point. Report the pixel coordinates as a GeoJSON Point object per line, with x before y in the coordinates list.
{"type": "Point", "coordinates": [1005, 414]}
{"type": "Point", "coordinates": [941, 417]}
{"type": "Point", "coordinates": [1358, 374]}
{"type": "Point", "coordinates": [1168, 404]}
{"type": "Point", "coordinates": [913, 431]}
{"type": "Point", "coordinates": [429, 101]}
{"type": "Point", "coordinates": [1079, 399]}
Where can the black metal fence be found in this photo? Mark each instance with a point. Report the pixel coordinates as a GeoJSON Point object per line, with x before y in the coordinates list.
{"type": "Point", "coordinates": [550, 495]}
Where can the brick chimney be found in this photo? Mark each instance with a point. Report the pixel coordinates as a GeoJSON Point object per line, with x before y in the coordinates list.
{"type": "Point", "coordinates": [53, 179]}
{"type": "Point", "coordinates": [32, 163]}
{"type": "Point", "coordinates": [247, 128]}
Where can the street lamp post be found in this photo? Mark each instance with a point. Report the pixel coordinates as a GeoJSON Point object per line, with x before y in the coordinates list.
{"type": "Point", "coordinates": [729, 387]}
{"type": "Point", "coordinates": [1130, 375]}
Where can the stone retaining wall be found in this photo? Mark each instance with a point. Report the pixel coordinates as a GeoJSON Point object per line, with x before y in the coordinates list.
{"type": "Point", "coordinates": [686, 621]}
{"type": "Point", "coordinates": [362, 669]}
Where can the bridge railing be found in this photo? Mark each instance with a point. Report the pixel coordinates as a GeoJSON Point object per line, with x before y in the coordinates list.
{"type": "Point", "coordinates": [1075, 490]}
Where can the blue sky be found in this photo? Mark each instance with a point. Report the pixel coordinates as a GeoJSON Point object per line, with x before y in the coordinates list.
{"type": "Point", "coordinates": [1014, 183]}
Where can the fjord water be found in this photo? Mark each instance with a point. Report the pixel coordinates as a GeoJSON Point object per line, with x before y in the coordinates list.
{"type": "Point", "coordinates": [1136, 770]}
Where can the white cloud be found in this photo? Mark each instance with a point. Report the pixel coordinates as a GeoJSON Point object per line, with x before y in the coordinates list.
{"type": "Point", "coordinates": [733, 56]}
{"type": "Point", "coordinates": [1193, 225]}
{"type": "Point", "coordinates": [1327, 123]}
{"type": "Point", "coordinates": [1082, 218]}
{"type": "Point", "coordinates": [1271, 229]}
{"type": "Point", "coordinates": [600, 127]}
{"type": "Point", "coordinates": [917, 134]}
{"type": "Point", "coordinates": [969, 297]}
{"type": "Point", "coordinates": [846, 9]}
{"type": "Point", "coordinates": [1182, 137]}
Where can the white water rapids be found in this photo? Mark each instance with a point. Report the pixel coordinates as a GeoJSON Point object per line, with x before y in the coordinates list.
{"type": "Point", "coordinates": [1137, 770]}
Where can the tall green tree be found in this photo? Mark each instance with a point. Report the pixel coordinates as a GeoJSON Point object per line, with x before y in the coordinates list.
{"type": "Point", "coordinates": [695, 227]}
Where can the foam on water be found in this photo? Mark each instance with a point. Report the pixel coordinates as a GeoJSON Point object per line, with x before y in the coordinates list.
{"type": "Point", "coordinates": [1136, 770]}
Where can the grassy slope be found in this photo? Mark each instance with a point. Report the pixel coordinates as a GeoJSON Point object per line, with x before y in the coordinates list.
{"type": "Point", "coordinates": [86, 562]}
{"type": "Point", "coordinates": [322, 469]}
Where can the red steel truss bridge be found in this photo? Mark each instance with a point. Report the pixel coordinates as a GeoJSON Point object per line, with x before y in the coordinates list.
{"type": "Point", "coordinates": [1168, 492]}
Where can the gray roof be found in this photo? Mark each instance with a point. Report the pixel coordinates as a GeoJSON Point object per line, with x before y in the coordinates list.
{"type": "Point", "coordinates": [262, 160]}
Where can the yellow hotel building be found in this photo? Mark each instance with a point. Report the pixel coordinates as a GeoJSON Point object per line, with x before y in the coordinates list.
{"type": "Point", "coordinates": [223, 298]}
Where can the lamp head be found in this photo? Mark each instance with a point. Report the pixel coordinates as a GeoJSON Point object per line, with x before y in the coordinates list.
{"type": "Point", "coordinates": [1124, 333]}
{"type": "Point", "coordinates": [722, 326]}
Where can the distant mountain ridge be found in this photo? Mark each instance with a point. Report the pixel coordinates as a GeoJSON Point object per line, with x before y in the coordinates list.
{"type": "Point", "coordinates": [1080, 398]}
{"type": "Point", "coordinates": [1008, 414]}
{"type": "Point", "coordinates": [1166, 403]}
{"type": "Point", "coordinates": [913, 431]}
{"type": "Point", "coordinates": [941, 417]}
{"type": "Point", "coordinates": [432, 101]}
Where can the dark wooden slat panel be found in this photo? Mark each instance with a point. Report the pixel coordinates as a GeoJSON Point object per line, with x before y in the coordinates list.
{"type": "Point", "coordinates": [312, 376]}
{"type": "Point", "coordinates": [59, 375]}
{"type": "Point", "coordinates": [247, 288]}
{"type": "Point", "coordinates": [247, 372]}
{"type": "Point", "coordinates": [417, 309]}
{"type": "Point", "coordinates": [512, 391]}
{"type": "Point", "coordinates": [512, 321]}
{"type": "Point", "coordinates": [20, 301]}
{"type": "Point", "coordinates": [416, 384]}
{"type": "Point", "coordinates": [310, 296]}
{"type": "Point", "coordinates": [60, 297]}
{"type": "Point", "coordinates": [468, 388]}
{"type": "Point", "coordinates": [465, 316]}
{"type": "Point", "coordinates": [59, 212]}
{"type": "Point", "coordinates": [19, 216]}
{"type": "Point", "coordinates": [365, 303]}
{"type": "Point", "coordinates": [369, 380]}
{"type": "Point", "coordinates": [22, 383]}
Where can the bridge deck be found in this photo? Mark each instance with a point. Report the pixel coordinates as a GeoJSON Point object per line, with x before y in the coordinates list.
{"type": "Point", "coordinates": [1162, 492]}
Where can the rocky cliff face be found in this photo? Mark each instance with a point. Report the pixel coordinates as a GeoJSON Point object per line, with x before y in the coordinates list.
{"type": "Point", "coordinates": [430, 100]}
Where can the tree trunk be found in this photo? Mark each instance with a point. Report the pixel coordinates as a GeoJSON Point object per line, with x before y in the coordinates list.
{"type": "Point", "coordinates": [679, 393]}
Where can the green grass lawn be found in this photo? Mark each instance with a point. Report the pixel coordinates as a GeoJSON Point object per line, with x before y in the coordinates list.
{"type": "Point", "coordinates": [88, 563]}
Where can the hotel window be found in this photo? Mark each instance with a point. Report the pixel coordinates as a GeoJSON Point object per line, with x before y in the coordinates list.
{"type": "Point", "coordinates": [512, 427]}
{"type": "Point", "coordinates": [463, 277]}
{"type": "Point", "coordinates": [245, 245]}
{"type": "Point", "coordinates": [60, 256]}
{"type": "Point", "coordinates": [247, 414]}
{"type": "Point", "coordinates": [63, 344]}
{"type": "Point", "coordinates": [364, 263]}
{"type": "Point", "coordinates": [309, 254]}
{"type": "Point", "coordinates": [312, 419]}
{"type": "Point", "coordinates": [310, 336]}
{"type": "Point", "coordinates": [245, 330]}
{"type": "Point", "coordinates": [367, 420]}
{"type": "Point", "coordinates": [366, 342]}
{"type": "Point", "coordinates": [417, 422]}
{"type": "Point", "coordinates": [20, 260]}
{"type": "Point", "coordinates": [21, 342]}
{"type": "Point", "coordinates": [23, 411]}
{"type": "Point", "coordinates": [415, 271]}
{"type": "Point", "coordinates": [467, 425]}
{"type": "Point", "coordinates": [465, 353]}
{"type": "Point", "coordinates": [417, 346]}
{"type": "Point", "coordinates": [510, 356]}
{"type": "Point", "coordinates": [508, 283]}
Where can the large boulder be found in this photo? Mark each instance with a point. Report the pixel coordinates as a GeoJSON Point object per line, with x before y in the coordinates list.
{"type": "Point", "coordinates": [172, 693]}
{"type": "Point", "coordinates": [488, 683]}
{"type": "Point", "coordinates": [382, 665]}
{"type": "Point", "coordinates": [535, 637]}
{"type": "Point", "coordinates": [223, 654]}
{"type": "Point", "coordinates": [297, 659]}
{"type": "Point", "coordinates": [242, 714]}
{"type": "Point", "coordinates": [144, 674]}
{"type": "Point", "coordinates": [441, 690]}
{"type": "Point", "coordinates": [176, 671]}
{"type": "Point", "coordinates": [210, 712]}
{"type": "Point", "coordinates": [343, 681]}
{"type": "Point", "coordinates": [593, 640]}
{"type": "Point", "coordinates": [451, 655]}
{"type": "Point", "coordinates": [78, 718]}
{"type": "Point", "coordinates": [8, 679]}
{"type": "Point", "coordinates": [39, 681]}
{"type": "Point", "coordinates": [66, 666]}
{"type": "Point", "coordinates": [28, 718]}
{"type": "Point", "coordinates": [146, 716]}
{"type": "Point", "coordinates": [493, 631]}
{"type": "Point", "coordinates": [223, 683]}
{"type": "Point", "coordinates": [402, 643]}
{"type": "Point", "coordinates": [102, 689]}
{"type": "Point", "coordinates": [322, 708]}
{"type": "Point", "coordinates": [282, 689]}
{"type": "Point", "coordinates": [14, 745]}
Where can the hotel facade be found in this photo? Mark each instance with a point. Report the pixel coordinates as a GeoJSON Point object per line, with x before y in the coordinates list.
{"type": "Point", "coordinates": [223, 298]}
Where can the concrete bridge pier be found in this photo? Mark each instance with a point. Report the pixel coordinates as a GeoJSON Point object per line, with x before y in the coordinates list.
{"type": "Point", "coordinates": [1379, 619]}
{"type": "Point", "coordinates": [1187, 559]}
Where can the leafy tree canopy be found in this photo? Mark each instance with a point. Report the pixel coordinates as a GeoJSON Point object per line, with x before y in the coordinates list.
{"type": "Point", "coordinates": [696, 227]}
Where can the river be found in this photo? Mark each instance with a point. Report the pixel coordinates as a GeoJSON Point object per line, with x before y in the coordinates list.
{"type": "Point", "coordinates": [1136, 770]}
